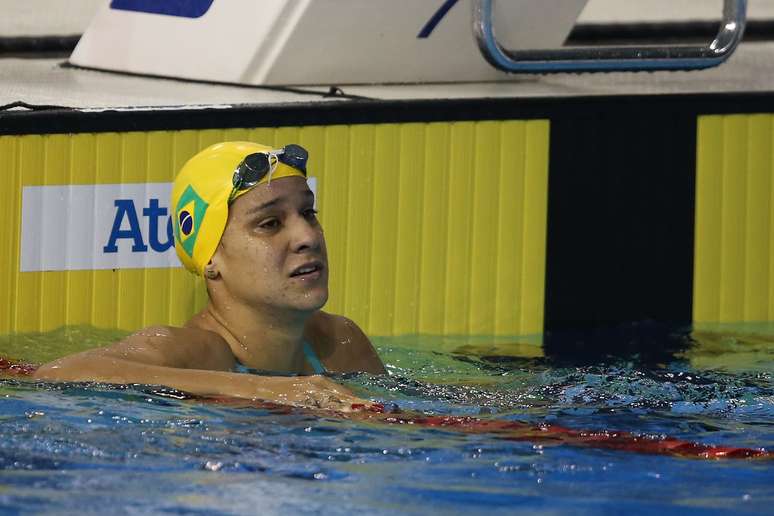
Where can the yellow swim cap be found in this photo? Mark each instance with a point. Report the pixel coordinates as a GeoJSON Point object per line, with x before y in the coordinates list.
{"type": "Point", "coordinates": [200, 198]}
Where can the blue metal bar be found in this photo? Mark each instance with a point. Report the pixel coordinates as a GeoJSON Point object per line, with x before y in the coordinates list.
{"type": "Point", "coordinates": [610, 59]}
{"type": "Point", "coordinates": [436, 19]}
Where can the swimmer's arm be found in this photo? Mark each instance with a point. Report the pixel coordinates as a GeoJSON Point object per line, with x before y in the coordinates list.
{"type": "Point", "coordinates": [342, 345]}
{"type": "Point", "coordinates": [164, 346]}
{"type": "Point", "coordinates": [148, 357]}
{"type": "Point", "coordinates": [304, 391]}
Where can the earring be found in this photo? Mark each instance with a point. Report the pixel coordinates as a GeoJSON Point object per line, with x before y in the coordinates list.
{"type": "Point", "coordinates": [211, 273]}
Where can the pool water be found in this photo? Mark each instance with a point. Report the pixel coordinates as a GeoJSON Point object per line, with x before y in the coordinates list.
{"type": "Point", "coordinates": [135, 450]}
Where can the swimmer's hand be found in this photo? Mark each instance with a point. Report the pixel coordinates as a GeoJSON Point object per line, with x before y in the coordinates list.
{"type": "Point", "coordinates": [316, 392]}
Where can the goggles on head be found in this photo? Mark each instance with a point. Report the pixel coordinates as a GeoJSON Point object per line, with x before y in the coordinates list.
{"type": "Point", "coordinates": [258, 165]}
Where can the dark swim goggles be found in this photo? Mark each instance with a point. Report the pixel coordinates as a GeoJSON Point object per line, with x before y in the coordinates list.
{"type": "Point", "coordinates": [256, 166]}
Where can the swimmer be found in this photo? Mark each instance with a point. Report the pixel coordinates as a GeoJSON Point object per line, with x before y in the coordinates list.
{"type": "Point", "coordinates": [244, 220]}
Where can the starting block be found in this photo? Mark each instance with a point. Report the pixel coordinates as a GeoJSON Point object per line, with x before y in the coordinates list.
{"type": "Point", "coordinates": [314, 42]}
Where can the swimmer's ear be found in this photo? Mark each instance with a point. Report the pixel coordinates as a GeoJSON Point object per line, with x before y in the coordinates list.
{"type": "Point", "coordinates": [210, 271]}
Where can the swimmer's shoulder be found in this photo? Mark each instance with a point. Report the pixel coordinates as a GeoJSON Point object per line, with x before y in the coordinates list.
{"type": "Point", "coordinates": [341, 345]}
{"type": "Point", "coordinates": [187, 347]}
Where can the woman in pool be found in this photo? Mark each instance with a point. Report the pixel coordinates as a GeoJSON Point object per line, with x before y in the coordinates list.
{"type": "Point", "coordinates": [244, 219]}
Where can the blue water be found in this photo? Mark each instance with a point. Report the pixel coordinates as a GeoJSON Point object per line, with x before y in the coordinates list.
{"type": "Point", "coordinates": [137, 450]}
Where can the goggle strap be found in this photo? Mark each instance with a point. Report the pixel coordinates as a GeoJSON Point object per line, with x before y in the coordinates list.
{"type": "Point", "coordinates": [272, 165]}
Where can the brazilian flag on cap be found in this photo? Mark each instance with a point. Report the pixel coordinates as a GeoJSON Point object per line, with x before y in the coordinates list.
{"type": "Point", "coordinates": [189, 213]}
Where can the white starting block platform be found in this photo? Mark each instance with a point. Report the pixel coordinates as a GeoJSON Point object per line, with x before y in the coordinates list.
{"type": "Point", "coordinates": [303, 42]}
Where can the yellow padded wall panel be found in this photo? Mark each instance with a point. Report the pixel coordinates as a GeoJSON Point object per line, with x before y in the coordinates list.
{"type": "Point", "coordinates": [105, 301]}
{"type": "Point", "coordinates": [384, 242]}
{"type": "Point", "coordinates": [80, 299]}
{"type": "Point", "coordinates": [358, 212]}
{"type": "Point", "coordinates": [409, 181]}
{"type": "Point", "coordinates": [335, 161]}
{"type": "Point", "coordinates": [758, 216]}
{"type": "Point", "coordinates": [28, 286]}
{"type": "Point", "coordinates": [134, 160]}
{"type": "Point", "coordinates": [9, 232]}
{"type": "Point", "coordinates": [459, 212]}
{"type": "Point", "coordinates": [733, 266]}
{"type": "Point", "coordinates": [485, 229]}
{"type": "Point", "coordinates": [434, 228]}
{"type": "Point", "coordinates": [156, 281]}
{"type": "Point", "coordinates": [534, 204]}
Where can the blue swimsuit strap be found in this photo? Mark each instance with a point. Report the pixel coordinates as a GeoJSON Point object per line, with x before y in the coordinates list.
{"type": "Point", "coordinates": [309, 353]}
{"type": "Point", "coordinates": [311, 357]}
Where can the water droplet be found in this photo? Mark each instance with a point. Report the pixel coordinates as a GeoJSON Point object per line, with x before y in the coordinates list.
{"type": "Point", "coordinates": [213, 465]}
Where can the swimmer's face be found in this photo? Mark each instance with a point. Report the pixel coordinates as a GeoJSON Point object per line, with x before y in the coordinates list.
{"type": "Point", "coordinates": [272, 252]}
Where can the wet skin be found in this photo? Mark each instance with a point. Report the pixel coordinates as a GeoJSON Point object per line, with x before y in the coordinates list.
{"type": "Point", "coordinates": [271, 280]}
{"type": "Point", "coordinates": [271, 239]}
{"type": "Point", "coordinates": [268, 280]}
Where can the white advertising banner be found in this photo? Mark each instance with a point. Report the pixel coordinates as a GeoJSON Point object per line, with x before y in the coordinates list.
{"type": "Point", "coordinates": [116, 226]}
{"type": "Point", "coordinates": [110, 226]}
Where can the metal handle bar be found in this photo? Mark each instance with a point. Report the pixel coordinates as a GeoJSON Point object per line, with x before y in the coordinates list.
{"type": "Point", "coordinates": [610, 59]}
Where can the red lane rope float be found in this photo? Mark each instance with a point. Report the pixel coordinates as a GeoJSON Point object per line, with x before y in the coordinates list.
{"type": "Point", "coordinates": [9, 367]}
{"type": "Point", "coordinates": [517, 430]}
{"type": "Point", "coordinates": [520, 431]}
{"type": "Point", "coordinates": [509, 430]}
{"type": "Point", "coordinates": [555, 434]}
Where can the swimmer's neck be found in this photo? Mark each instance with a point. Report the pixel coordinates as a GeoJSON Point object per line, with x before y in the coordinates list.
{"type": "Point", "coordinates": [263, 339]}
